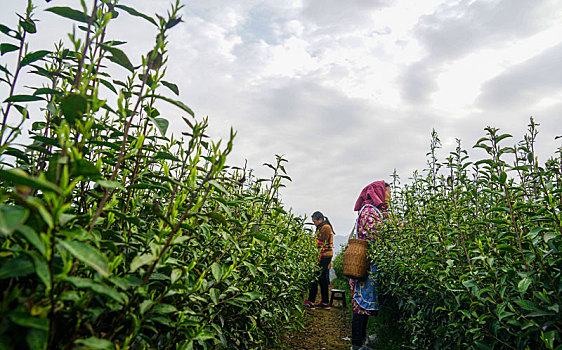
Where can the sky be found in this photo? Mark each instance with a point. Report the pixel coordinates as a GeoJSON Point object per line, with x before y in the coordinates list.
{"type": "Point", "coordinates": [349, 91]}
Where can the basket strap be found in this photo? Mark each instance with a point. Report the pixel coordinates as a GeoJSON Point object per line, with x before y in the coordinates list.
{"type": "Point", "coordinates": [355, 228]}
{"type": "Point", "coordinates": [353, 231]}
{"type": "Point", "coordinates": [371, 206]}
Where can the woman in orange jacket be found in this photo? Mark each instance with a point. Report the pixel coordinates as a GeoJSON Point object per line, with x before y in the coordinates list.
{"type": "Point", "coordinates": [325, 239]}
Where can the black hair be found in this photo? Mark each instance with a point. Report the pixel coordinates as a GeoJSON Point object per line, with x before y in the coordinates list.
{"type": "Point", "coordinates": [318, 215]}
{"type": "Point", "coordinates": [386, 185]}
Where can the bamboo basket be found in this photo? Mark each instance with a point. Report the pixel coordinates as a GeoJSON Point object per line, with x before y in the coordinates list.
{"type": "Point", "coordinates": [355, 264]}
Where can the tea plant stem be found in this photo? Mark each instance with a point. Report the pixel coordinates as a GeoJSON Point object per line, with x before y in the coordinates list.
{"type": "Point", "coordinates": [176, 186]}
{"type": "Point", "coordinates": [171, 235]}
{"type": "Point", "coordinates": [178, 224]}
{"type": "Point", "coordinates": [121, 156]}
{"type": "Point", "coordinates": [515, 226]}
{"type": "Point", "coordinates": [52, 300]}
{"type": "Point", "coordinates": [6, 111]}
{"type": "Point", "coordinates": [78, 77]}
{"type": "Point", "coordinates": [134, 178]}
{"type": "Point", "coordinates": [550, 203]}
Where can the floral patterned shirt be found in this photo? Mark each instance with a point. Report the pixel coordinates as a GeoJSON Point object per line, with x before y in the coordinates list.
{"type": "Point", "coordinates": [370, 224]}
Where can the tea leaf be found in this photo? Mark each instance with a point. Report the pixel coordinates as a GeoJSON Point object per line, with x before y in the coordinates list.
{"type": "Point", "coordinates": [524, 284]}
{"type": "Point", "coordinates": [41, 269]}
{"type": "Point", "coordinates": [218, 186]}
{"type": "Point", "coordinates": [136, 13]}
{"type": "Point", "coordinates": [110, 184]}
{"type": "Point", "coordinates": [37, 339]}
{"type": "Point", "coordinates": [96, 343]}
{"type": "Point", "coordinates": [164, 308]}
{"type": "Point", "coordinates": [119, 57]}
{"type": "Point", "coordinates": [172, 22]}
{"type": "Point", "coordinates": [69, 13]}
{"type": "Point", "coordinates": [9, 32]}
{"type": "Point", "coordinates": [550, 235]}
{"type": "Point", "coordinates": [174, 102]}
{"type": "Point", "coordinates": [73, 106]}
{"type": "Point", "coordinates": [527, 305]}
{"type": "Point", "coordinates": [23, 98]}
{"type": "Point", "coordinates": [11, 217]}
{"type": "Point", "coordinates": [27, 321]}
{"type": "Point", "coordinates": [173, 87]}
{"type": "Point", "coordinates": [501, 137]}
{"type": "Point", "coordinates": [260, 236]}
{"type": "Point", "coordinates": [217, 217]}
{"type": "Point", "coordinates": [32, 237]}
{"type": "Point", "coordinates": [141, 260]}
{"type": "Point", "coordinates": [28, 26]}
{"type": "Point", "coordinates": [108, 85]}
{"type": "Point", "coordinates": [503, 177]}
{"type": "Point", "coordinates": [548, 338]}
{"type": "Point", "coordinates": [216, 270]}
{"type": "Point", "coordinates": [46, 91]}
{"type": "Point", "coordinates": [99, 288]}
{"type": "Point", "coordinates": [34, 56]}
{"type": "Point", "coordinates": [87, 254]}
{"type": "Point", "coordinates": [16, 267]}
{"type": "Point", "coordinates": [161, 124]}
{"type": "Point", "coordinates": [84, 168]}
{"type": "Point", "coordinates": [5, 48]}
{"type": "Point", "coordinates": [19, 177]}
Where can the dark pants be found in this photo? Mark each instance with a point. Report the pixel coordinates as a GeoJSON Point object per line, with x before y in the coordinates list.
{"type": "Point", "coordinates": [323, 280]}
{"type": "Point", "coordinates": [358, 329]}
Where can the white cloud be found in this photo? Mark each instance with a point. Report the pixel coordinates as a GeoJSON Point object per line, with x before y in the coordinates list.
{"type": "Point", "coordinates": [460, 28]}
{"type": "Point", "coordinates": [526, 84]}
{"type": "Point", "coordinates": [341, 15]}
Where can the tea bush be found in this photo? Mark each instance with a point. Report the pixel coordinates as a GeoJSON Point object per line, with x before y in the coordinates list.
{"type": "Point", "coordinates": [117, 234]}
{"type": "Point", "coordinates": [474, 255]}
{"type": "Point", "coordinates": [337, 264]}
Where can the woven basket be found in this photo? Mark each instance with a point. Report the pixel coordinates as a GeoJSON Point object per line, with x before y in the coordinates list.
{"type": "Point", "coordinates": [355, 262]}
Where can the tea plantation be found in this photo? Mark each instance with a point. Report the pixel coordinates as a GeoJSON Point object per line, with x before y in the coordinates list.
{"type": "Point", "coordinates": [116, 233]}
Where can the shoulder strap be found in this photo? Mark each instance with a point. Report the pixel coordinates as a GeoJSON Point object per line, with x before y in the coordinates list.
{"type": "Point", "coordinates": [371, 206]}
{"type": "Point", "coordinates": [354, 230]}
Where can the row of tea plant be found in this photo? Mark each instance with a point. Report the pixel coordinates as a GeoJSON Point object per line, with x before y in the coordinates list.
{"type": "Point", "coordinates": [115, 233]}
{"type": "Point", "coordinates": [474, 255]}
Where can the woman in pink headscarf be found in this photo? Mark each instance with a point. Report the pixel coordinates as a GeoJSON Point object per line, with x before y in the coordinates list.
{"type": "Point", "coordinates": [372, 206]}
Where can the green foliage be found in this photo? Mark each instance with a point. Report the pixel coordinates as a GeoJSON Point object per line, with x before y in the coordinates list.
{"type": "Point", "coordinates": [115, 234]}
{"type": "Point", "coordinates": [474, 255]}
{"type": "Point", "coordinates": [337, 265]}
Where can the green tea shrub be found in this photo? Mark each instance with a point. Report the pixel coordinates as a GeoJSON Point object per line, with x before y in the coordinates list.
{"type": "Point", "coordinates": [337, 265]}
{"type": "Point", "coordinates": [116, 234]}
{"type": "Point", "coordinates": [474, 255]}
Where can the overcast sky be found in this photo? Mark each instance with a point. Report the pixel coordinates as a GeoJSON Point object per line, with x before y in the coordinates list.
{"type": "Point", "coordinates": [350, 90]}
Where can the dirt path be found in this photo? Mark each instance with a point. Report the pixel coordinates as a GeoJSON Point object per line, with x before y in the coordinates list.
{"type": "Point", "coordinates": [325, 330]}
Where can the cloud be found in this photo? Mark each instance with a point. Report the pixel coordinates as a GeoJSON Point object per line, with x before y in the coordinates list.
{"type": "Point", "coordinates": [342, 15]}
{"type": "Point", "coordinates": [454, 31]}
{"type": "Point", "coordinates": [525, 84]}
{"type": "Point", "coordinates": [419, 81]}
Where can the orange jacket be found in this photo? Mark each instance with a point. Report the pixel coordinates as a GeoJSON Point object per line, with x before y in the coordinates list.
{"type": "Point", "coordinates": [325, 237]}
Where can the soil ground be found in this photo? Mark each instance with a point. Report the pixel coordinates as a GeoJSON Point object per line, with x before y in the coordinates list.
{"type": "Point", "coordinates": [325, 330]}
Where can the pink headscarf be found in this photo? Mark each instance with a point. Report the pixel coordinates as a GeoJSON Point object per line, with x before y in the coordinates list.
{"type": "Point", "coordinates": [372, 194]}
